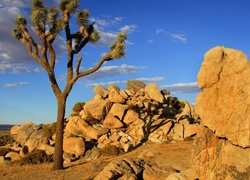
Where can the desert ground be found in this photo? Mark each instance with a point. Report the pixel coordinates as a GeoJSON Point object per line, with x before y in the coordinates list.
{"type": "Point", "coordinates": [175, 155]}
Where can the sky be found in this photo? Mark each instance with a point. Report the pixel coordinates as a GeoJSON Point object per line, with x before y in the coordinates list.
{"type": "Point", "coordinates": [167, 40]}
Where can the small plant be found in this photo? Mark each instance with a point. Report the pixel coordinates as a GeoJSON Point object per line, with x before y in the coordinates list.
{"type": "Point", "coordinates": [4, 151]}
{"type": "Point", "coordinates": [6, 139]}
{"type": "Point", "coordinates": [78, 107]}
{"type": "Point", "coordinates": [48, 129]}
{"type": "Point", "coordinates": [36, 157]}
{"type": "Point", "coordinates": [111, 150]}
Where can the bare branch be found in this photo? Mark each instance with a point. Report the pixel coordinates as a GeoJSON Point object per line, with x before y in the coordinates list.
{"type": "Point", "coordinates": [68, 45]}
{"type": "Point", "coordinates": [30, 39]}
{"type": "Point", "coordinates": [106, 57]}
{"type": "Point", "coordinates": [52, 57]}
{"type": "Point", "coordinates": [79, 60]}
{"type": "Point", "coordinates": [83, 43]}
{"type": "Point", "coordinates": [34, 55]}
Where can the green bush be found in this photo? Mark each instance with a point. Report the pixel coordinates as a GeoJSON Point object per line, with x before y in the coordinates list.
{"type": "Point", "coordinates": [78, 106]}
{"type": "Point", "coordinates": [111, 150]}
{"type": "Point", "coordinates": [48, 129]}
{"type": "Point", "coordinates": [4, 151]}
{"type": "Point", "coordinates": [36, 157]}
{"type": "Point", "coordinates": [6, 139]}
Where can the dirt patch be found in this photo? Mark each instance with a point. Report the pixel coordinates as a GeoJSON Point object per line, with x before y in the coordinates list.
{"type": "Point", "coordinates": [175, 155]}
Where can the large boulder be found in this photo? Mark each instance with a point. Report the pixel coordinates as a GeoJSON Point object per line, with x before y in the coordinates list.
{"type": "Point", "coordinates": [95, 110]}
{"type": "Point", "coordinates": [122, 169]}
{"type": "Point", "coordinates": [114, 117]}
{"type": "Point", "coordinates": [74, 146]}
{"type": "Point", "coordinates": [22, 133]}
{"type": "Point", "coordinates": [135, 85]}
{"type": "Point", "coordinates": [154, 93]}
{"type": "Point", "coordinates": [99, 90]}
{"type": "Point", "coordinates": [78, 127]}
{"type": "Point", "coordinates": [216, 158]}
{"type": "Point", "coordinates": [222, 144]}
{"type": "Point", "coordinates": [114, 94]}
{"type": "Point", "coordinates": [224, 103]}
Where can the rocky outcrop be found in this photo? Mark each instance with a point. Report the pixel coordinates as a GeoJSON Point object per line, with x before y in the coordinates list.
{"type": "Point", "coordinates": [135, 169]}
{"type": "Point", "coordinates": [222, 145]}
{"type": "Point", "coordinates": [224, 104]}
{"type": "Point", "coordinates": [121, 118]}
{"type": "Point", "coordinates": [127, 118]}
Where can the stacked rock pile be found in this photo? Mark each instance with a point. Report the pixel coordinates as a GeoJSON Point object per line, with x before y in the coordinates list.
{"type": "Point", "coordinates": [127, 118]}
{"type": "Point", "coordinates": [121, 118]}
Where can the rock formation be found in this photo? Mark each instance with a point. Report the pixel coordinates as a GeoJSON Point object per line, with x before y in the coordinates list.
{"type": "Point", "coordinates": [127, 118]}
{"type": "Point", "coordinates": [222, 147]}
{"type": "Point", "coordinates": [121, 118]}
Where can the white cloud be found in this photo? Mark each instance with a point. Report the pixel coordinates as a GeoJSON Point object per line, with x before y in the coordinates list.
{"type": "Point", "coordinates": [182, 87]}
{"type": "Point", "coordinates": [151, 80]}
{"type": "Point", "coordinates": [107, 36]}
{"type": "Point", "coordinates": [16, 3]}
{"type": "Point", "coordinates": [150, 41]}
{"type": "Point", "coordinates": [13, 54]}
{"type": "Point", "coordinates": [106, 39]}
{"type": "Point", "coordinates": [109, 71]}
{"type": "Point", "coordinates": [103, 23]}
{"type": "Point", "coordinates": [160, 31]}
{"type": "Point", "coordinates": [105, 83]}
{"type": "Point", "coordinates": [128, 29]}
{"type": "Point", "coordinates": [145, 80]}
{"type": "Point", "coordinates": [25, 69]}
{"type": "Point", "coordinates": [177, 37]}
{"type": "Point", "coordinates": [15, 84]}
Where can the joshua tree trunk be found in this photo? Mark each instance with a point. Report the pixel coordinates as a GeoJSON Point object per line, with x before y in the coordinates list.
{"type": "Point", "coordinates": [58, 153]}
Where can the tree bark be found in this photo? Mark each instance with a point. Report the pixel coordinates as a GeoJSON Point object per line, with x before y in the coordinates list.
{"type": "Point", "coordinates": [58, 153]}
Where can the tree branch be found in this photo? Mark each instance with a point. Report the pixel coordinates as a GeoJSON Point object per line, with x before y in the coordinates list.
{"type": "Point", "coordinates": [79, 60]}
{"type": "Point", "coordinates": [52, 57]}
{"type": "Point", "coordinates": [106, 57]}
{"type": "Point", "coordinates": [69, 46]}
{"type": "Point", "coordinates": [83, 43]}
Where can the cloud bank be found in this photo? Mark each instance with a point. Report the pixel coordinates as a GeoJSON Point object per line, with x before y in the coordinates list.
{"type": "Point", "coordinates": [176, 37]}
{"type": "Point", "coordinates": [182, 87]}
{"type": "Point", "coordinates": [15, 84]}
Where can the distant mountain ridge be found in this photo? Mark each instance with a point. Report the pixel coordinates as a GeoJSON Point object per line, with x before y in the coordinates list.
{"type": "Point", "coordinates": [6, 127]}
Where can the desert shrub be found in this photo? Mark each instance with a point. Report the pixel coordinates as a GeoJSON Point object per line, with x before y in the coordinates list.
{"type": "Point", "coordinates": [111, 150]}
{"type": "Point", "coordinates": [165, 92]}
{"type": "Point", "coordinates": [48, 129]}
{"type": "Point", "coordinates": [6, 139]}
{"type": "Point", "coordinates": [4, 151]}
{"type": "Point", "coordinates": [36, 157]}
{"type": "Point", "coordinates": [78, 106]}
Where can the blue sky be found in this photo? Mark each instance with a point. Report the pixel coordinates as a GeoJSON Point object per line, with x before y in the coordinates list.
{"type": "Point", "coordinates": [167, 40]}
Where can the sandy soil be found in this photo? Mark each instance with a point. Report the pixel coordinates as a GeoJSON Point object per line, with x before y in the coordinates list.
{"type": "Point", "coordinates": [176, 155]}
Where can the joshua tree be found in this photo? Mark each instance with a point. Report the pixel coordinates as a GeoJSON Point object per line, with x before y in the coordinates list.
{"type": "Point", "coordinates": [48, 23]}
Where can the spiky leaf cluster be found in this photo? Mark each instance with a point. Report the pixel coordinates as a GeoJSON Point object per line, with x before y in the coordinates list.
{"type": "Point", "coordinates": [20, 20]}
{"type": "Point", "coordinates": [69, 5]}
{"type": "Point", "coordinates": [20, 24]}
{"type": "Point", "coordinates": [52, 16]}
{"type": "Point", "coordinates": [82, 18]}
{"type": "Point", "coordinates": [17, 33]}
{"type": "Point", "coordinates": [118, 47]}
{"type": "Point", "coordinates": [56, 24]}
{"type": "Point", "coordinates": [37, 4]}
{"type": "Point", "coordinates": [94, 36]}
{"type": "Point", "coordinates": [121, 37]}
{"type": "Point", "coordinates": [38, 14]}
